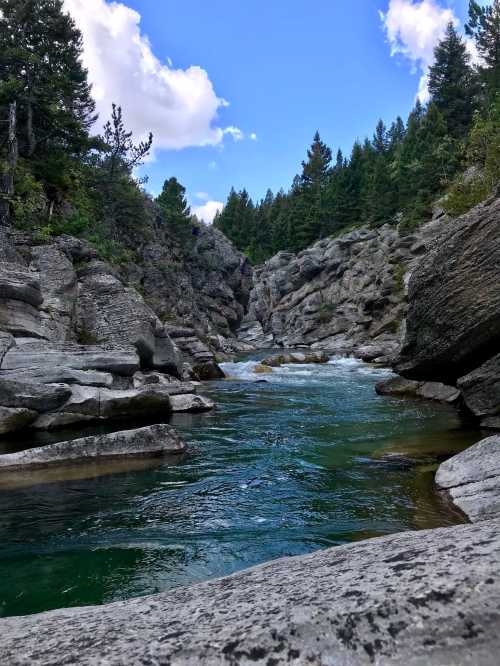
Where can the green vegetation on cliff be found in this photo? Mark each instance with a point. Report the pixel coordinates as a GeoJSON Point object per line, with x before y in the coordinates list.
{"type": "Point", "coordinates": [56, 176]}
{"type": "Point", "coordinates": [449, 147]}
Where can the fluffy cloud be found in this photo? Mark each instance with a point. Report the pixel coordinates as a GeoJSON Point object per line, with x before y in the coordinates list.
{"type": "Point", "coordinates": [207, 212]}
{"type": "Point", "coordinates": [179, 106]}
{"type": "Point", "coordinates": [413, 30]}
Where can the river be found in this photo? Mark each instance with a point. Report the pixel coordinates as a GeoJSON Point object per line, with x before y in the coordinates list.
{"type": "Point", "coordinates": [305, 458]}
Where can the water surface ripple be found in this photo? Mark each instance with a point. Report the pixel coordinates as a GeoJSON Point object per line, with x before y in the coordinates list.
{"type": "Point", "coordinates": [309, 458]}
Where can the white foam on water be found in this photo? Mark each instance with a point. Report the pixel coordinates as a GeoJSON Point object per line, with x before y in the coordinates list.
{"type": "Point", "coordinates": [301, 373]}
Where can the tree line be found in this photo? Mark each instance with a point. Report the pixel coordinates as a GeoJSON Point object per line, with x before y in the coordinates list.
{"type": "Point", "coordinates": [451, 146]}
{"type": "Point", "coordinates": [56, 174]}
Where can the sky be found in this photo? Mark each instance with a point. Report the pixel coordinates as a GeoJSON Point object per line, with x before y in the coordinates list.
{"type": "Point", "coordinates": [233, 90]}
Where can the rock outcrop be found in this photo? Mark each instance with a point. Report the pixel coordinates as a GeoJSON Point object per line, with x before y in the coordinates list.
{"type": "Point", "coordinates": [343, 294]}
{"type": "Point", "coordinates": [471, 480]}
{"type": "Point", "coordinates": [453, 323]}
{"type": "Point", "coordinates": [275, 361]}
{"type": "Point", "coordinates": [156, 440]}
{"type": "Point", "coordinates": [79, 344]}
{"type": "Point", "coordinates": [401, 387]}
{"type": "Point", "coordinates": [430, 597]}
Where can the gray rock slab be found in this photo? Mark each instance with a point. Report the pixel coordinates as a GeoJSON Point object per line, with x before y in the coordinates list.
{"type": "Point", "coordinates": [59, 375]}
{"type": "Point", "coordinates": [398, 386]}
{"type": "Point", "coordinates": [472, 479]}
{"type": "Point", "coordinates": [107, 358]}
{"type": "Point", "coordinates": [20, 318]}
{"type": "Point", "coordinates": [38, 397]}
{"type": "Point", "coordinates": [150, 441]}
{"type": "Point", "coordinates": [12, 419]}
{"type": "Point", "coordinates": [19, 284]}
{"type": "Point", "coordinates": [438, 391]}
{"type": "Point", "coordinates": [454, 300]}
{"type": "Point", "coordinates": [481, 388]}
{"type": "Point", "coordinates": [429, 598]}
{"type": "Point", "coordinates": [191, 403]}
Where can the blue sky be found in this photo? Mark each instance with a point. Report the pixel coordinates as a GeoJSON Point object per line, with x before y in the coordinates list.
{"type": "Point", "coordinates": [276, 69]}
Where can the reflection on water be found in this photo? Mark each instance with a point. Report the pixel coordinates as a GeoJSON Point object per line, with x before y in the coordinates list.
{"type": "Point", "coordinates": [310, 458]}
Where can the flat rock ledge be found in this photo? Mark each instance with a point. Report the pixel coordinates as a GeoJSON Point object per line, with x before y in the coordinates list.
{"type": "Point", "coordinates": [409, 388]}
{"type": "Point", "coordinates": [155, 440]}
{"type": "Point", "coordinates": [429, 598]}
{"type": "Point", "coordinates": [471, 480]}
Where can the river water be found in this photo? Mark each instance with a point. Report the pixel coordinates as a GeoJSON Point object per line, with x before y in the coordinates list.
{"type": "Point", "coordinates": [308, 458]}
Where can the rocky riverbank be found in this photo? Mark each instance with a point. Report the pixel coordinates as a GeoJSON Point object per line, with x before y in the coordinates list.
{"type": "Point", "coordinates": [429, 597]}
{"type": "Point", "coordinates": [85, 342]}
{"type": "Point", "coordinates": [80, 344]}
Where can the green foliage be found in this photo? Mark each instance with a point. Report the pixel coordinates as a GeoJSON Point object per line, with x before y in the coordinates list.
{"type": "Point", "coordinates": [452, 83]}
{"type": "Point", "coordinates": [484, 27]}
{"type": "Point", "coordinates": [29, 204]}
{"type": "Point", "coordinates": [326, 312]}
{"type": "Point", "coordinates": [483, 160]}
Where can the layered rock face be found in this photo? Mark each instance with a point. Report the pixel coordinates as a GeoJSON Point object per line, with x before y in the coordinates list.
{"type": "Point", "coordinates": [453, 324]}
{"type": "Point", "coordinates": [430, 597]}
{"type": "Point", "coordinates": [79, 345]}
{"type": "Point", "coordinates": [204, 288]}
{"type": "Point", "coordinates": [344, 294]}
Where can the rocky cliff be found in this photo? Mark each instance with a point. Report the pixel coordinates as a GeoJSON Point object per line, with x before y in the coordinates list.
{"type": "Point", "coordinates": [342, 294]}
{"type": "Point", "coordinates": [453, 323]}
{"type": "Point", "coordinates": [82, 340]}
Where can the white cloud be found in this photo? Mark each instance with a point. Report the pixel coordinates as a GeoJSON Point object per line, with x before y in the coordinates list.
{"type": "Point", "coordinates": [212, 165]}
{"type": "Point", "coordinates": [235, 132]}
{"type": "Point", "coordinates": [253, 136]}
{"type": "Point", "coordinates": [202, 196]}
{"type": "Point", "coordinates": [207, 212]}
{"type": "Point", "coordinates": [179, 106]}
{"type": "Point", "coordinates": [413, 30]}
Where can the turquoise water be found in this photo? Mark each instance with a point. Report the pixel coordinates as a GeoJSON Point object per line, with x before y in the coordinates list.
{"type": "Point", "coordinates": [310, 458]}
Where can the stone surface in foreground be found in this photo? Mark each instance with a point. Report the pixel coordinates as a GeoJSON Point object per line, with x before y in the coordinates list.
{"type": "Point", "coordinates": [422, 598]}
{"type": "Point", "coordinates": [472, 480]}
{"type": "Point", "coordinates": [150, 441]}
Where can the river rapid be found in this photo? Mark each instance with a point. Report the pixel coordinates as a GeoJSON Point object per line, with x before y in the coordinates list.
{"type": "Point", "coordinates": [304, 458]}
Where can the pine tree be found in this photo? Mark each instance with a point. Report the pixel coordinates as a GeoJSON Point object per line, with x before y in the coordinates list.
{"type": "Point", "coordinates": [484, 27]}
{"type": "Point", "coordinates": [118, 155]}
{"type": "Point", "coordinates": [452, 84]}
{"type": "Point", "coordinates": [172, 202]}
{"type": "Point", "coordinates": [41, 70]}
{"type": "Point", "coordinates": [311, 190]}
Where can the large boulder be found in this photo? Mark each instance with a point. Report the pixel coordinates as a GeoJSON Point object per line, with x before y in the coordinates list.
{"type": "Point", "coordinates": [481, 389]}
{"type": "Point", "coordinates": [150, 441]}
{"type": "Point", "coordinates": [472, 480]}
{"type": "Point", "coordinates": [419, 598]}
{"type": "Point", "coordinates": [453, 323]}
